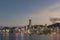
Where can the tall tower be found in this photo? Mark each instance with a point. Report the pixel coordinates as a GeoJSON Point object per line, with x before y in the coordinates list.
{"type": "Point", "coordinates": [29, 23]}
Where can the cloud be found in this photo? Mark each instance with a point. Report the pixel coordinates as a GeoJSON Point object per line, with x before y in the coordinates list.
{"type": "Point", "coordinates": [54, 6]}
{"type": "Point", "coordinates": [44, 15]}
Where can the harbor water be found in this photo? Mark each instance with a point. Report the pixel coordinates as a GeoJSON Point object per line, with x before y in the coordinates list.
{"type": "Point", "coordinates": [19, 36]}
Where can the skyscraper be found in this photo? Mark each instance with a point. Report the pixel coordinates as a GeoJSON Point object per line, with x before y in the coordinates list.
{"type": "Point", "coordinates": [29, 23]}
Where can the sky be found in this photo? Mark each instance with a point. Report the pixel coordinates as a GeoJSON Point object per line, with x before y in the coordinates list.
{"type": "Point", "coordinates": [18, 12]}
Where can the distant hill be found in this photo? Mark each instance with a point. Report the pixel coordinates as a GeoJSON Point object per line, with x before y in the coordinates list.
{"type": "Point", "coordinates": [55, 25]}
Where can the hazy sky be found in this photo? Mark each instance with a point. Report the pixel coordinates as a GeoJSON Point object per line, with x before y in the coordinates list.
{"type": "Point", "coordinates": [18, 12]}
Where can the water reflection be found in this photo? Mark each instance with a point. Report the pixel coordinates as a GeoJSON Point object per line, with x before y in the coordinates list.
{"type": "Point", "coordinates": [1, 37]}
{"type": "Point", "coordinates": [20, 36]}
{"type": "Point", "coordinates": [5, 36]}
{"type": "Point", "coordinates": [11, 36]}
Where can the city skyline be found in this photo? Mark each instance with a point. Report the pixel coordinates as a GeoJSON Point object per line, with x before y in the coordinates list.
{"type": "Point", "coordinates": [18, 12]}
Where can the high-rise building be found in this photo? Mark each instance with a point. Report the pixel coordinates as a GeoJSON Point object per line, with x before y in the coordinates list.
{"type": "Point", "coordinates": [30, 30]}
{"type": "Point", "coordinates": [29, 22]}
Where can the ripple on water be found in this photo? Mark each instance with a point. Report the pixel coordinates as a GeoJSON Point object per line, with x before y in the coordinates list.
{"type": "Point", "coordinates": [19, 36]}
